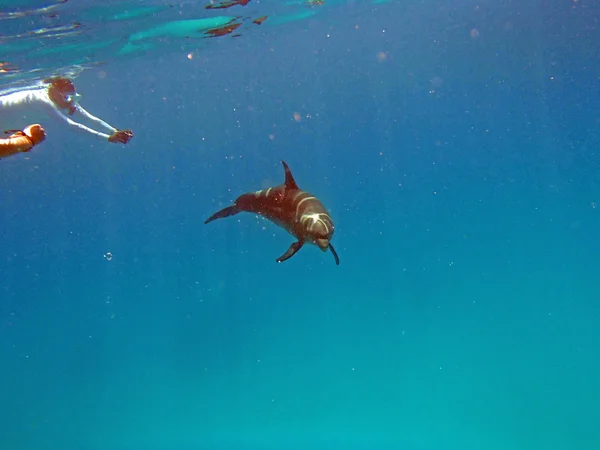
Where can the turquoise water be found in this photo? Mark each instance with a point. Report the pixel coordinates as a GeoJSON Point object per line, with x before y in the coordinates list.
{"type": "Point", "coordinates": [456, 148]}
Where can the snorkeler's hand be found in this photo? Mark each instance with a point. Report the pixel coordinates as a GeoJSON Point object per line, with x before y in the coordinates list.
{"type": "Point", "coordinates": [36, 133]}
{"type": "Point", "coordinates": [121, 136]}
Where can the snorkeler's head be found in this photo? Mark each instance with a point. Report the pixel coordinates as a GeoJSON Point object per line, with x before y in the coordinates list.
{"type": "Point", "coordinates": [62, 92]}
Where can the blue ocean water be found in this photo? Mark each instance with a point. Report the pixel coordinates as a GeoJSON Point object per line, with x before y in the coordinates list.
{"type": "Point", "coordinates": [456, 148]}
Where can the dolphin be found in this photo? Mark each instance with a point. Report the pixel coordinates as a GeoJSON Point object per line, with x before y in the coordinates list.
{"type": "Point", "coordinates": [288, 206]}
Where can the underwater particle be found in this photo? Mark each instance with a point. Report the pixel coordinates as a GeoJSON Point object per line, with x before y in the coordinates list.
{"type": "Point", "coordinates": [382, 56]}
{"type": "Point", "coordinates": [593, 205]}
{"type": "Point", "coordinates": [474, 33]}
{"type": "Point", "coordinates": [260, 20]}
{"type": "Point", "coordinates": [436, 82]}
{"type": "Point", "coordinates": [272, 137]}
{"type": "Point", "coordinates": [108, 256]}
{"type": "Point", "coordinates": [190, 56]}
{"type": "Point", "coordinates": [297, 117]}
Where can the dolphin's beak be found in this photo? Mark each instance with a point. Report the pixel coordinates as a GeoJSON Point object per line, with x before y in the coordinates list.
{"type": "Point", "coordinates": [323, 244]}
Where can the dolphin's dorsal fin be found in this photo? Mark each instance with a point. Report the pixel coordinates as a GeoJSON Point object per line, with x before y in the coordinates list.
{"type": "Point", "coordinates": [290, 183]}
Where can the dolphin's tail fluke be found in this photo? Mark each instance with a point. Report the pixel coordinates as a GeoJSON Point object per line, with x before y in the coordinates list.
{"type": "Point", "coordinates": [225, 212]}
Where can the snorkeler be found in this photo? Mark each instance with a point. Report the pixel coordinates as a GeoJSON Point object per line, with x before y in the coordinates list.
{"type": "Point", "coordinates": [53, 97]}
{"type": "Point", "coordinates": [21, 141]}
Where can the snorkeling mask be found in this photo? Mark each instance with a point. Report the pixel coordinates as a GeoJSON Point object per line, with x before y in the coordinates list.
{"type": "Point", "coordinates": [74, 98]}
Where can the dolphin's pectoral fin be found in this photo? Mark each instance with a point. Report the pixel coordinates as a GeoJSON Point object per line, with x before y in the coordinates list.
{"type": "Point", "coordinates": [225, 212]}
{"type": "Point", "coordinates": [290, 251]}
{"type": "Point", "coordinates": [335, 255]}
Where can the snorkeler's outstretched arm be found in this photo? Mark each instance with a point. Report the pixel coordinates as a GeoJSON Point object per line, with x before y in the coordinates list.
{"type": "Point", "coordinates": [80, 126]}
{"type": "Point", "coordinates": [81, 110]}
{"type": "Point", "coordinates": [117, 136]}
